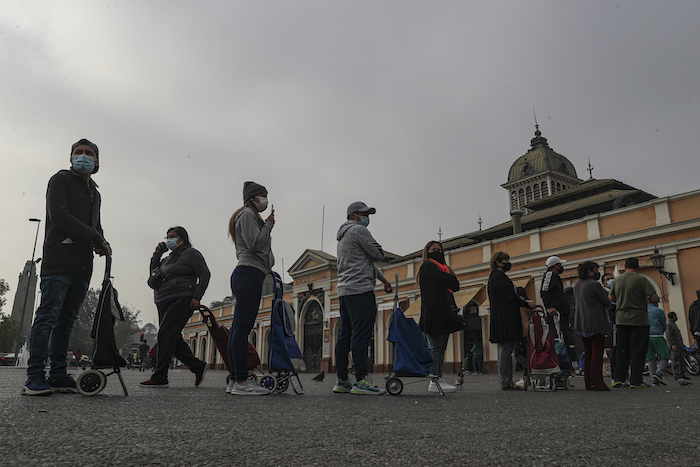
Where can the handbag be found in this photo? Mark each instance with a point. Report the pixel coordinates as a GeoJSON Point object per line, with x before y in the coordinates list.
{"type": "Point", "coordinates": [156, 278]}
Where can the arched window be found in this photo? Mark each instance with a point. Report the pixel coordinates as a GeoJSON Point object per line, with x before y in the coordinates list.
{"type": "Point", "coordinates": [528, 194]}
{"type": "Point", "coordinates": [513, 200]}
{"type": "Point", "coordinates": [558, 187]}
{"type": "Point", "coordinates": [521, 197]}
{"type": "Point", "coordinates": [537, 192]}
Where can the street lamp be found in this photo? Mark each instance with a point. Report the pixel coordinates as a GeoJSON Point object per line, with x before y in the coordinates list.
{"type": "Point", "coordinates": [26, 295]}
{"type": "Point", "coordinates": [657, 260]}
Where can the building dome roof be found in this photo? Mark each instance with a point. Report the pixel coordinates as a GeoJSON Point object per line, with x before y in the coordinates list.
{"type": "Point", "coordinates": [540, 158]}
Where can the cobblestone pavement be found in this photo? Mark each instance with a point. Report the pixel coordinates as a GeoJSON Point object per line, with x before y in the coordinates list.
{"type": "Point", "coordinates": [477, 425]}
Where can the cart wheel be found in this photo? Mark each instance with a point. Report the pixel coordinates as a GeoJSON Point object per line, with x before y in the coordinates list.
{"type": "Point", "coordinates": [91, 382]}
{"type": "Point", "coordinates": [282, 383]}
{"type": "Point", "coordinates": [394, 386]}
{"type": "Point", "coordinates": [567, 384]}
{"type": "Point", "coordinates": [268, 382]}
{"type": "Point", "coordinates": [298, 388]}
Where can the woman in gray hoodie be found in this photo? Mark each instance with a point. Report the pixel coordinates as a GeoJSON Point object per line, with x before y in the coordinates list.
{"type": "Point", "coordinates": [251, 235]}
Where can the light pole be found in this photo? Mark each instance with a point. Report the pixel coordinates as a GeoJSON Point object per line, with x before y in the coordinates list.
{"type": "Point", "coordinates": [26, 295]}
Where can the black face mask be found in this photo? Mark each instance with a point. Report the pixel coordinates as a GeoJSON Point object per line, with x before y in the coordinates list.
{"type": "Point", "coordinates": [438, 256]}
{"type": "Point", "coordinates": [596, 276]}
{"type": "Point", "coordinates": [506, 266]}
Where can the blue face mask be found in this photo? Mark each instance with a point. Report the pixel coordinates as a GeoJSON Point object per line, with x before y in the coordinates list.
{"type": "Point", "coordinates": [171, 243]}
{"type": "Point", "coordinates": [610, 283]}
{"type": "Point", "coordinates": [364, 220]}
{"type": "Point", "coordinates": [83, 164]}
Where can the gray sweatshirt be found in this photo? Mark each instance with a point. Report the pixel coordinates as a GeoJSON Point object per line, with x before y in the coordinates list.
{"type": "Point", "coordinates": [253, 243]}
{"type": "Point", "coordinates": [357, 252]}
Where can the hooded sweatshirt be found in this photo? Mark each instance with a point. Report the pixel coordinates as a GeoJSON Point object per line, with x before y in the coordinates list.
{"type": "Point", "coordinates": [357, 252]}
{"type": "Point", "coordinates": [253, 243]}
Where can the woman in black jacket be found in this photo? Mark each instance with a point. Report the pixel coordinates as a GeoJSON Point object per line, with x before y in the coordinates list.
{"type": "Point", "coordinates": [506, 328]}
{"type": "Point", "coordinates": [437, 283]}
{"type": "Point", "coordinates": [179, 282]}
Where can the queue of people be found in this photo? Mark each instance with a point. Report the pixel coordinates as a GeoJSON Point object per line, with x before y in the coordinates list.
{"type": "Point", "coordinates": [621, 307]}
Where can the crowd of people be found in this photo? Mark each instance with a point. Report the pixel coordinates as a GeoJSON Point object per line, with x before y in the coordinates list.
{"type": "Point", "coordinates": [622, 309]}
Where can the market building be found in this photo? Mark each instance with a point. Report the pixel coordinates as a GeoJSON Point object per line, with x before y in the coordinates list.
{"type": "Point", "coordinates": [553, 213]}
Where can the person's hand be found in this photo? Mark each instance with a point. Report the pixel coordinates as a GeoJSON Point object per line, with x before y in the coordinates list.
{"type": "Point", "coordinates": [531, 304]}
{"type": "Point", "coordinates": [271, 217]}
{"type": "Point", "coordinates": [387, 287]}
{"type": "Point", "coordinates": [552, 311]}
{"type": "Point", "coordinates": [161, 248]}
{"type": "Point", "coordinates": [194, 304]}
{"type": "Point", "coordinates": [102, 250]}
{"type": "Point", "coordinates": [675, 347]}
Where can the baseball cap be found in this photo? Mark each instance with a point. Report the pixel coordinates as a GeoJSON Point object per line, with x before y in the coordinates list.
{"type": "Point", "coordinates": [552, 260]}
{"type": "Point", "coordinates": [359, 206]}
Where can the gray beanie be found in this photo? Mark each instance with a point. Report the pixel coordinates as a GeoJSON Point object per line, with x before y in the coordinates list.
{"type": "Point", "coordinates": [251, 190]}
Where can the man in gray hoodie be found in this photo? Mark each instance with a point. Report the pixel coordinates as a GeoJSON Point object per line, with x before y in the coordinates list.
{"type": "Point", "coordinates": [357, 278]}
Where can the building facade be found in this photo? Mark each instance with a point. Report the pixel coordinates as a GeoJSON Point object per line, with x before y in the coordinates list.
{"type": "Point", "coordinates": [605, 221]}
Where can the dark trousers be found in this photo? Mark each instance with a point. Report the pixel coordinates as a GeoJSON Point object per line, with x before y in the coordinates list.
{"type": "Point", "coordinates": [246, 286]}
{"type": "Point", "coordinates": [172, 317]}
{"type": "Point", "coordinates": [568, 338]}
{"type": "Point", "coordinates": [358, 314]}
{"type": "Point", "coordinates": [594, 347]}
{"type": "Point", "coordinates": [632, 344]}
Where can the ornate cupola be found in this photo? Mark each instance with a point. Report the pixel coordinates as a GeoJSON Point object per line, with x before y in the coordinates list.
{"type": "Point", "coordinates": [538, 173]}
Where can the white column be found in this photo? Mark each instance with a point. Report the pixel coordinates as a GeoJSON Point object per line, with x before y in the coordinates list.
{"type": "Point", "coordinates": [663, 216]}
{"type": "Point", "coordinates": [535, 242]}
{"type": "Point", "coordinates": [593, 229]}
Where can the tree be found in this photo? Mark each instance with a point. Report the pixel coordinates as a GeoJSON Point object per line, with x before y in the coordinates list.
{"type": "Point", "coordinates": [123, 330]}
{"type": "Point", "coordinates": [8, 334]}
{"type": "Point", "coordinates": [4, 288]}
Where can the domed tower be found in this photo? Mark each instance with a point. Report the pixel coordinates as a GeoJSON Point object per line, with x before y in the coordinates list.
{"type": "Point", "coordinates": [540, 172]}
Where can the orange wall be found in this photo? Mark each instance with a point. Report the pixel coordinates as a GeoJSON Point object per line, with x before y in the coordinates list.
{"type": "Point", "coordinates": [684, 209]}
{"type": "Point", "coordinates": [564, 236]}
{"type": "Point", "coordinates": [390, 273]}
{"type": "Point", "coordinates": [468, 258]}
{"type": "Point", "coordinates": [518, 246]}
{"type": "Point", "coordinates": [689, 271]}
{"type": "Point", "coordinates": [628, 222]}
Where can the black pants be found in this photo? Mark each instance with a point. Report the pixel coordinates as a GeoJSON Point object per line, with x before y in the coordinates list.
{"type": "Point", "coordinates": [172, 317]}
{"type": "Point", "coordinates": [568, 338]}
{"type": "Point", "coordinates": [632, 344]}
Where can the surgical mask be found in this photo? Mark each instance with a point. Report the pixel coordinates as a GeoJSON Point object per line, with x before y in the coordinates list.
{"type": "Point", "coordinates": [596, 276]}
{"type": "Point", "coordinates": [610, 283]}
{"type": "Point", "coordinates": [364, 220]}
{"type": "Point", "coordinates": [83, 164]}
{"type": "Point", "coordinates": [261, 205]}
{"type": "Point", "coordinates": [506, 266]}
{"type": "Point", "coordinates": [171, 243]}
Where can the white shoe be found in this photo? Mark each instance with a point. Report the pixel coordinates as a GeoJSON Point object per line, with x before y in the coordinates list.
{"type": "Point", "coordinates": [229, 387]}
{"type": "Point", "coordinates": [446, 387]}
{"type": "Point", "coordinates": [248, 388]}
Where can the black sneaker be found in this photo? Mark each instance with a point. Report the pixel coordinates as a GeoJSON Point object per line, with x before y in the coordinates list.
{"type": "Point", "coordinates": [64, 384]}
{"type": "Point", "coordinates": [658, 380]}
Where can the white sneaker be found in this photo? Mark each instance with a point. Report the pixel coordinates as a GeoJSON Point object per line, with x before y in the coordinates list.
{"type": "Point", "coordinates": [446, 387]}
{"type": "Point", "coordinates": [248, 388]}
{"type": "Point", "coordinates": [432, 387]}
{"type": "Point", "coordinates": [229, 387]}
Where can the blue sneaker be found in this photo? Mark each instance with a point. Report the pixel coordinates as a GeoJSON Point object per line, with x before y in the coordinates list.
{"type": "Point", "coordinates": [366, 387]}
{"type": "Point", "coordinates": [64, 384]}
{"type": "Point", "coordinates": [36, 386]}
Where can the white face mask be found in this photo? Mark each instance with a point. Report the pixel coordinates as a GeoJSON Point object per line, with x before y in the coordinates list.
{"type": "Point", "coordinates": [171, 243]}
{"type": "Point", "coordinates": [261, 205]}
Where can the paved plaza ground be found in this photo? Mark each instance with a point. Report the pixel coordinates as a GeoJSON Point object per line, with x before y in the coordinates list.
{"type": "Point", "coordinates": [477, 425]}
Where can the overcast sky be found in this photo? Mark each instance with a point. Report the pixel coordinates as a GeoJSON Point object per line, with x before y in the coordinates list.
{"type": "Point", "coordinates": [416, 108]}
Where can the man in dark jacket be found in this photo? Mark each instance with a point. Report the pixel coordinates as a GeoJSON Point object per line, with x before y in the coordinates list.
{"type": "Point", "coordinates": [694, 318]}
{"type": "Point", "coordinates": [73, 232]}
{"type": "Point", "coordinates": [555, 301]}
{"type": "Point", "coordinates": [675, 345]}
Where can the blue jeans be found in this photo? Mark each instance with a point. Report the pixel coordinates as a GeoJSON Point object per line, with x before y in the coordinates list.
{"type": "Point", "coordinates": [61, 297]}
{"type": "Point", "coordinates": [357, 316]}
{"type": "Point", "coordinates": [438, 345]}
{"type": "Point", "coordinates": [246, 286]}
